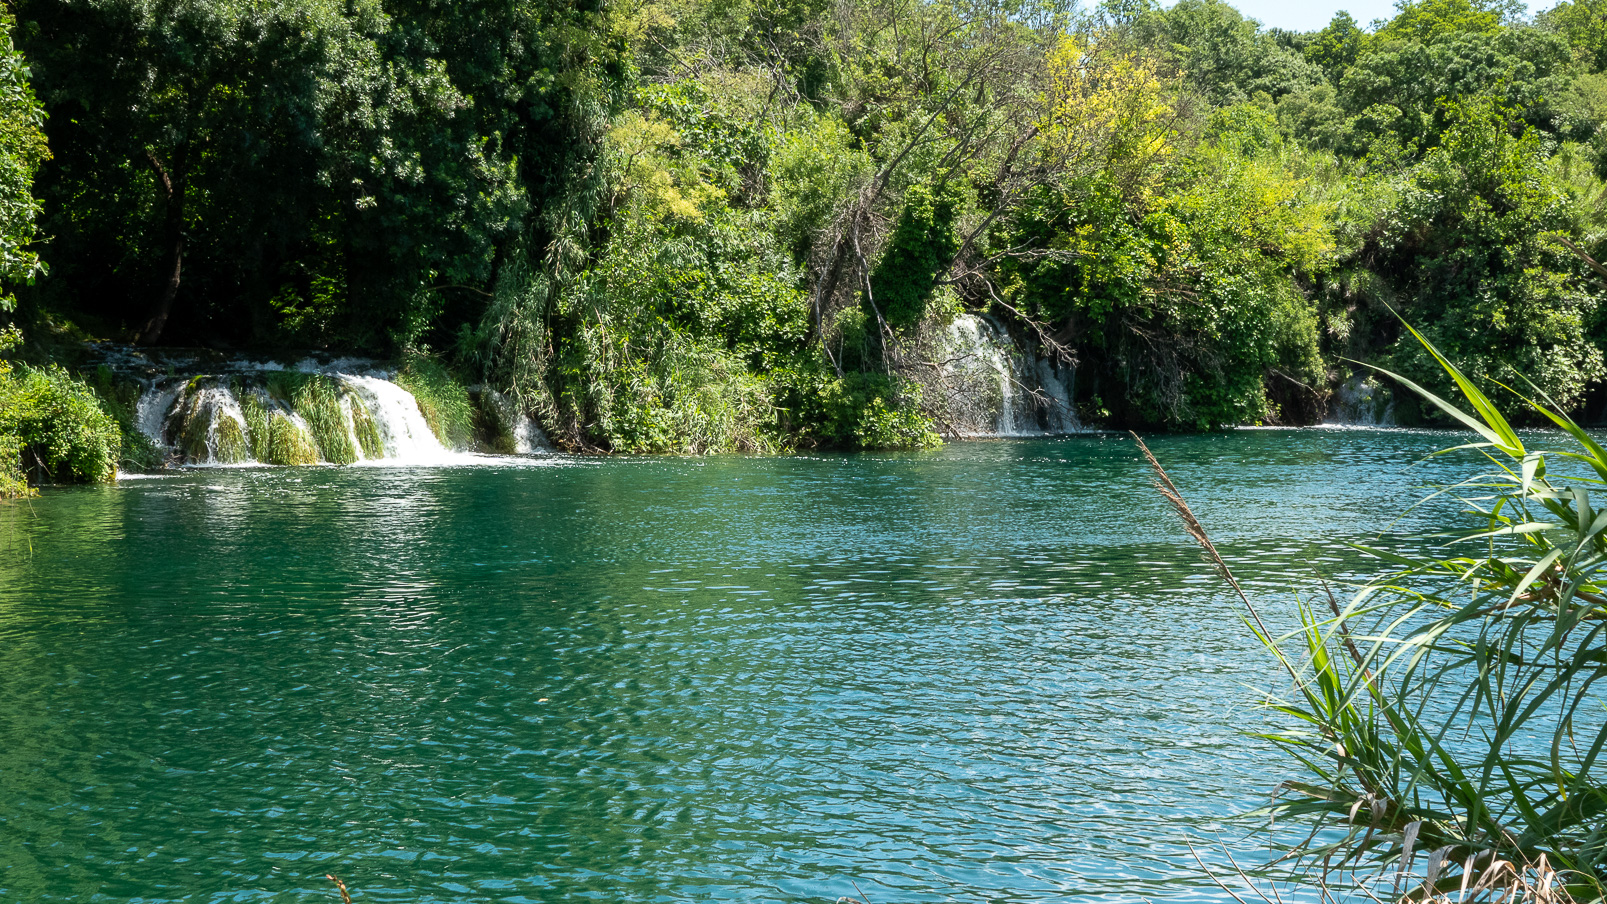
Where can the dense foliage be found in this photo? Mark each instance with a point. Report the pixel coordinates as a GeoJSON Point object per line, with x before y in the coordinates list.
{"type": "Point", "coordinates": [697, 226]}
{"type": "Point", "coordinates": [52, 428]}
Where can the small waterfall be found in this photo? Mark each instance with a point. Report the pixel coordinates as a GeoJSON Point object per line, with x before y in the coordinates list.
{"type": "Point", "coordinates": [527, 436]}
{"type": "Point", "coordinates": [1361, 401]}
{"type": "Point", "coordinates": [151, 411]}
{"type": "Point", "coordinates": [211, 426]}
{"type": "Point", "coordinates": [994, 387]}
{"type": "Point", "coordinates": [403, 433]}
{"type": "Point", "coordinates": [263, 414]}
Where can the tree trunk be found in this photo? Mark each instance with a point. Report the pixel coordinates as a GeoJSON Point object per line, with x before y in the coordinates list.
{"type": "Point", "coordinates": [173, 234]}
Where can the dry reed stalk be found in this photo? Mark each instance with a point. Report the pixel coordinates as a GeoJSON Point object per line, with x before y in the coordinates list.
{"type": "Point", "coordinates": [1169, 491]}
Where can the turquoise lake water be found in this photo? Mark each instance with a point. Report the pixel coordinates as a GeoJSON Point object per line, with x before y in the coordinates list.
{"type": "Point", "coordinates": [997, 672]}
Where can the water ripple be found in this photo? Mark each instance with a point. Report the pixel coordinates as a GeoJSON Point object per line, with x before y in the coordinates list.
{"type": "Point", "coordinates": [997, 672]}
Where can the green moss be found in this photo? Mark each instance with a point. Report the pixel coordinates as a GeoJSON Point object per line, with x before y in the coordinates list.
{"type": "Point", "coordinates": [367, 432]}
{"type": "Point", "coordinates": [275, 438]}
{"type": "Point", "coordinates": [232, 447]}
{"type": "Point", "coordinates": [442, 400]}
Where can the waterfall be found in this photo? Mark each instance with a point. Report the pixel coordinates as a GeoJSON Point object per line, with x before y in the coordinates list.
{"type": "Point", "coordinates": [1361, 401]}
{"type": "Point", "coordinates": [403, 433]}
{"type": "Point", "coordinates": [341, 412]}
{"type": "Point", "coordinates": [527, 435]}
{"type": "Point", "coordinates": [992, 386]}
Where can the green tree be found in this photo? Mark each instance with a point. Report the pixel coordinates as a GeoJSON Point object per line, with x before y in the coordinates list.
{"type": "Point", "coordinates": [307, 170]}
{"type": "Point", "coordinates": [1425, 21]}
{"type": "Point", "coordinates": [1337, 46]}
{"type": "Point", "coordinates": [1223, 55]}
{"type": "Point", "coordinates": [1584, 24]}
{"type": "Point", "coordinates": [22, 150]}
{"type": "Point", "coordinates": [1467, 254]}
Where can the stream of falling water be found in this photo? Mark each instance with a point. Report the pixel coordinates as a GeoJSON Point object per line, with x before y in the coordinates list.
{"type": "Point", "coordinates": [348, 418]}
{"type": "Point", "coordinates": [993, 386]}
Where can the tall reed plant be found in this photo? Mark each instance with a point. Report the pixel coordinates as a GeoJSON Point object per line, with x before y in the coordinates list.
{"type": "Point", "coordinates": [1448, 723]}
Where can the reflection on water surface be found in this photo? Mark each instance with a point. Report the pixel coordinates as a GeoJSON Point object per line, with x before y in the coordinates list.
{"type": "Point", "coordinates": [992, 673]}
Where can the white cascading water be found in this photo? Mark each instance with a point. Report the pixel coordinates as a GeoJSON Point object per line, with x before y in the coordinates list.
{"type": "Point", "coordinates": [1361, 401]}
{"type": "Point", "coordinates": [153, 407]}
{"type": "Point", "coordinates": [405, 438]}
{"type": "Point", "coordinates": [997, 388]}
{"type": "Point", "coordinates": [403, 433]}
{"type": "Point", "coordinates": [528, 437]}
{"type": "Point", "coordinates": [217, 405]}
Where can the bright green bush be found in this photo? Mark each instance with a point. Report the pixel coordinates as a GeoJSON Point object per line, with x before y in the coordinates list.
{"type": "Point", "coordinates": [670, 339]}
{"type": "Point", "coordinates": [52, 428]}
{"type": "Point", "coordinates": [858, 411]}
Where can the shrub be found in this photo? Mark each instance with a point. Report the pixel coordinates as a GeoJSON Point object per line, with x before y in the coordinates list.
{"type": "Point", "coordinates": [52, 425]}
{"type": "Point", "coordinates": [1451, 710]}
{"type": "Point", "coordinates": [1448, 719]}
{"type": "Point", "coordinates": [119, 397]}
{"type": "Point", "coordinates": [858, 411]}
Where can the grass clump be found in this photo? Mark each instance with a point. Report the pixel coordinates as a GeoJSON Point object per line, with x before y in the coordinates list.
{"type": "Point", "coordinates": [316, 397]}
{"type": "Point", "coordinates": [193, 421]}
{"type": "Point", "coordinates": [442, 400]}
{"type": "Point", "coordinates": [230, 445]}
{"type": "Point", "coordinates": [275, 437]}
{"type": "Point", "coordinates": [367, 431]}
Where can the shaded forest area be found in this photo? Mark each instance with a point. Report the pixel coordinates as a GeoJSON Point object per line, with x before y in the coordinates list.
{"type": "Point", "coordinates": [706, 225]}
